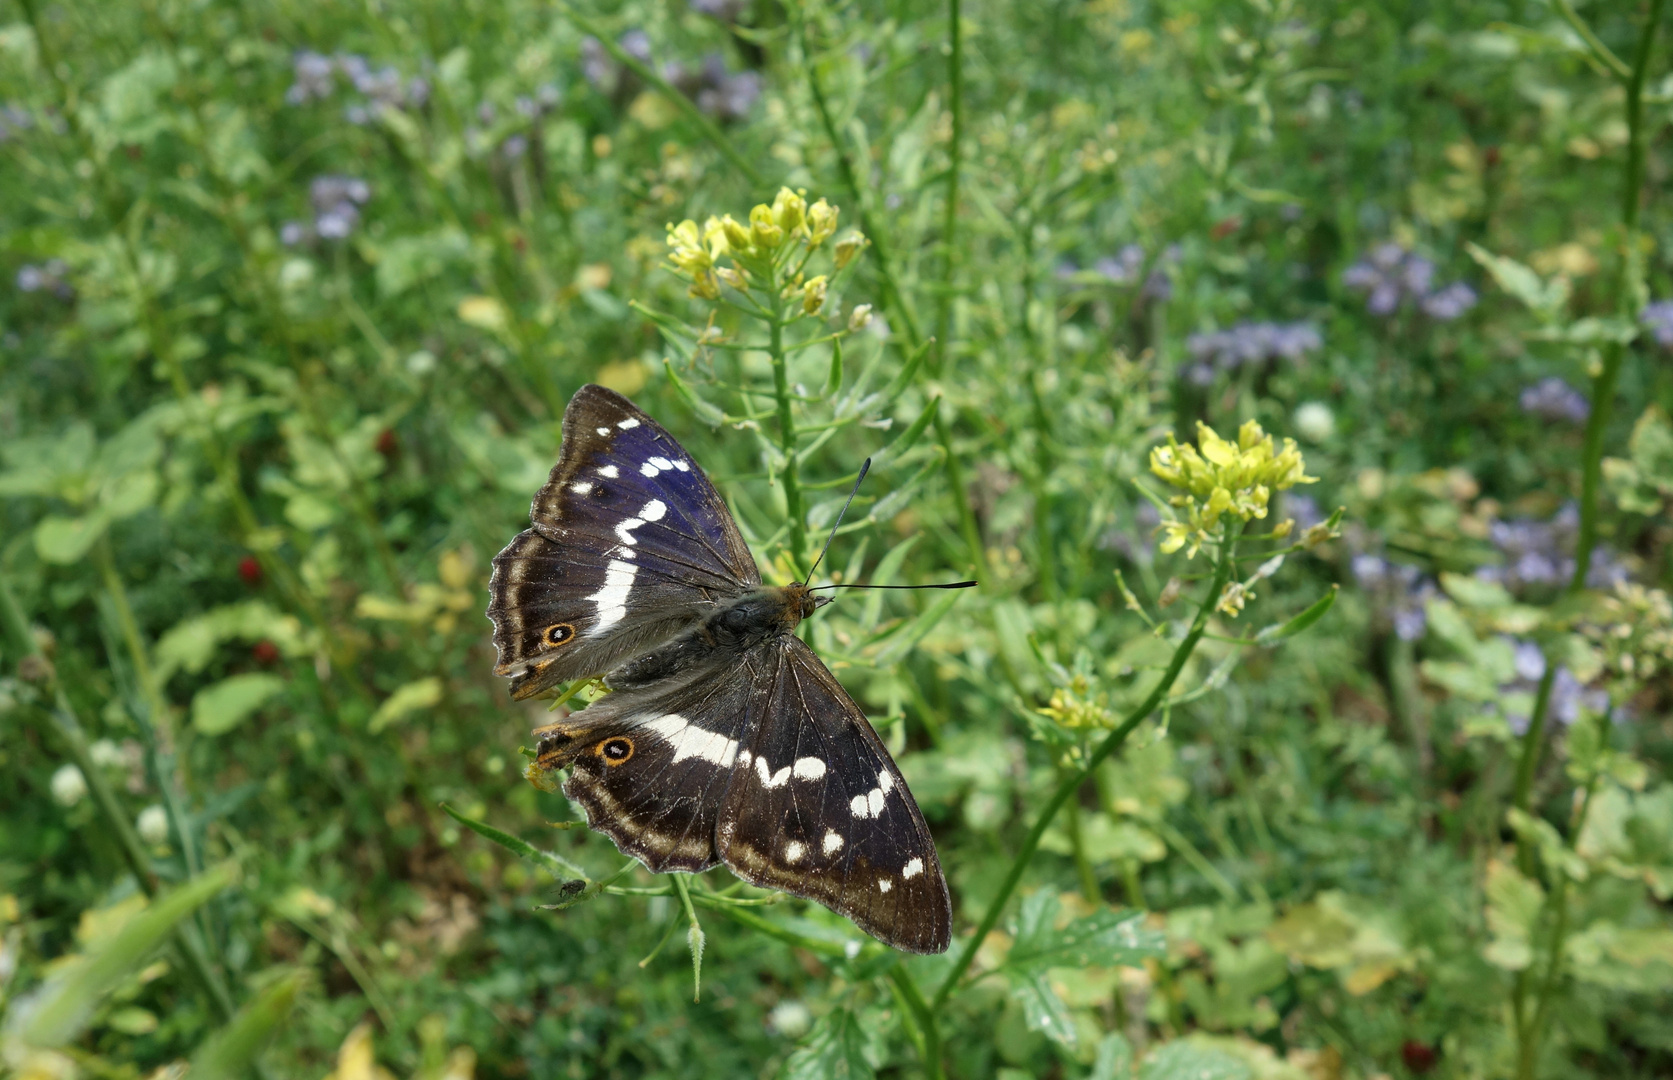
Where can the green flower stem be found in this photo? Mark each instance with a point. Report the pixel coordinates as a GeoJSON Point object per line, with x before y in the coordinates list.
{"type": "Point", "coordinates": [894, 298]}
{"type": "Point", "coordinates": [163, 748]}
{"type": "Point", "coordinates": [949, 219]}
{"type": "Point", "coordinates": [66, 725]}
{"type": "Point", "coordinates": [1077, 845]}
{"type": "Point", "coordinates": [1628, 292]}
{"type": "Point", "coordinates": [1112, 742]}
{"type": "Point", "coordinates": [921, 1012]}
{"type": "Point", "coordinates": [789, 475]}
{"type": "Point", "coordinates": [709, 129]}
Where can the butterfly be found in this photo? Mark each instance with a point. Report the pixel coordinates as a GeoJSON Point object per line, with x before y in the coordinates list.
{"type": "Point", "coordinates": [724, 738]}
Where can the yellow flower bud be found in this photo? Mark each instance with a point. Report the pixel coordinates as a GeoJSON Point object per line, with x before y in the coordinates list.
{"type": "Point", "coordinates": [688, 252]}
{"type": "Point", "coordinates": [849, 246]}
{"type": "Point", "coordinates": [714, 237]}
{"type": "Point", "coordinates": [732, 278]}
{"type": "Point", "coordinates": [813, 294]}
{"type": "Point", "coordinates": [821, 222]}
{"type": "Point", "coordinates": [860, 317]}
{"type": "Point", "coordinates": [705, 287]}
{"type": "Point", "coordinates": [1233, 598]}
{"type": "Point", "coordinates": [764, 233]}
{"type": "Point", "coordinates": [789, 211]}
{"type": "Point", "coordinates": [737, 237]}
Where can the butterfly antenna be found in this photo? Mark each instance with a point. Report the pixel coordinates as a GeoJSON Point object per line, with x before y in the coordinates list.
{"type": "Point", "coordinates": [864, 468]}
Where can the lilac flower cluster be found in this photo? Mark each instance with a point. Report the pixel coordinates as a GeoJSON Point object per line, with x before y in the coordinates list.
{"type": "Point", "coordinates": [14, 120]}
{"type": "Point", "coordinates": [717, 91]}
{"type": "Point", "coordinates": [531, 107]}
{"type": "Point", "coordinates": [727, 11]}
{"type": "Point", "coordinates": [1540, 554]}
{"type": "Point", "coordinates": [336, 201]}
{"type": "Point", "coordinates": [1248, 343]}
{"type": "Point", "coordinates": [315, 76]}
{"type": "Point", "coordinates": [1553, 399]}
{"type": "Point", "coordinates": [52, 276]}
{"type": "Point", "coordinates": [1390, 276]}
{"type": "Point", "coordinates": [1657, 318]}
{"type": "Point", "coordinates": [1123, 269]}
{"type": "Point", "coordinates": [1568, 694]}
{"type": "Point", "coordinates": [1400, 591]}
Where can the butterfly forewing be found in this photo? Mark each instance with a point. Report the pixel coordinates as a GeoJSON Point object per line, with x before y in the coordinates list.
{"type": "Point", "coordinates": [818, 809]}
{"type": "Point", "coordinates": [630, 543]}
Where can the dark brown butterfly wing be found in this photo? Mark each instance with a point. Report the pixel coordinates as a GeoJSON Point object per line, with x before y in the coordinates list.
{"type": "Point", "coordinates": [630, 544]}
{"type": "Point", "coordinates": [818, 809]}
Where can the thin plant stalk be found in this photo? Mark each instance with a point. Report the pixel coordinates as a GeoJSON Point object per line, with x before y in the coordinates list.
{"type": "Point", "coordinates": [949, 219]}
{"type": "Point", "coordinates": [789, 475]}
{"type": "Point", "coordinates": [1224, 561]}
{"type": "Point", "coordinates": [1628, 290]}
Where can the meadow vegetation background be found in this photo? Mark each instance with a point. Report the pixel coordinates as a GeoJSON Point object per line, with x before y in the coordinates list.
{"type": "Point", "coordinates": [292, 296]}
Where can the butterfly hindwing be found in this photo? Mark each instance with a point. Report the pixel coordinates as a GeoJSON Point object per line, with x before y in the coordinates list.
{"type": "Point", "coordinates": [818, 809]}
{"type": "Point", "coordinates": [630, 542]}
{"type": "Point", "coordinates": [651, 766]}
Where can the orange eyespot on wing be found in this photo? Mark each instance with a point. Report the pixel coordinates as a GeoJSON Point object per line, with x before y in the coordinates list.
{"type": "Point", "coordinates": [615, 750]}
{"type": "Point", "coordinates": [558, 634]}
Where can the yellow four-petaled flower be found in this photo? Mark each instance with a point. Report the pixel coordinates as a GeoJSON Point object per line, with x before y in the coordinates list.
{"type": "Point", "coordinates": [1218, 477]}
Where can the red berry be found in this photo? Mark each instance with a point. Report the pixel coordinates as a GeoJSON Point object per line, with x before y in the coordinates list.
{"type": "Point", "coordinates": [1419, 1057]}
{"type": "Point", "coordinates": [249, 568]}
{"type": "Point", "coordinates": [265, 652]}
{"type": "Point", "coordinates": [386, 444]}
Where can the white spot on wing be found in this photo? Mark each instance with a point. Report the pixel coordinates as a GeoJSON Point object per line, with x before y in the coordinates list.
{"type": "Point", "coordinates": [770, 779]}
{"type": "Point", "coordinates": [793, 851]}
{"type": "Point", "coordinates": [609, 472]}
{"type": "Point", "coordinates": [604, 431]}
{"type": "Point", "coordinates": [629, 424]}
{"type": "Point", "coordinates": [885, 783]}
{"type": "Point", "coordinates": [870, 804]}
{"type": "Point", "coordinates": [875, 799]}
{"type": "Point", "coordinates": [625, 530]}
{"type": "Point", "coordinates": [808, 768]}
{"type": "Point", "coordinates": [884, 884]}
{"type": "Point", "coordinates": [857, 805]}
{"type": "Point", "coordinates": [912, 870]}
{"type": "Point", "coordinates": [662, 463]}
{"type": "Point", "coordinates": [832, 843]}
{"type": "Point", "coordinates": [648, 469]}
{"type": "Point", "coordinates": [691, 741]}
{"type": "Point", "coordinates": [654, 510]}
{"type": "Point", "coordinates": [611, 597]}
{"type": "Point", "coordinates": [682, 466]}
{"type": "Point", "coordinates": [581, 487]}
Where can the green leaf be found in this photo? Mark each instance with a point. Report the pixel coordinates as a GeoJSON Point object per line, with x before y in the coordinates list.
{"type": "Point", "coordinates": [229, 1052]}
{"type": "Point", "coordinates": [1043, 1010]}
{"type": "Point", "coordinates": [556, 865]}
{"type": "Point", "coordinates": [128, 494]}
{"type": "Point", "coordinates": [833, 1050]}
{"type": "Point", "coordinates": [61, 1009]}
{"type": "Point", "coordinates": [1103, 939]}
{"type": "Point", "coordinates": [1544, 299]}
{"type": "Point", "coordinates": [1513, 904]}
{"type": "Point", "coordinates": [711, 415]}
{"type": "Point", "coordinates": [63, 540]}
{"type": "Point", "coordinates": [1114, 1060]}
{"type": "Point", "coordinates": [908, 438]}
{"type": "Point", "coordinates": [410, 260]}
{"type": "Point", "coordinates": [1185, 1061]}
{"type": "Point", "coordinates": [406, 700]}
{"type": "Point", "coordinates": [1472, 592]}
{"type": "Point", "coordinates": [1591, 330]}
{"type": "Point", "coordinates": [833, 379]}
{"type": "Point", "coordinates": [1271, 635]}
{"type": "Point", "coordinates": [221, 707]}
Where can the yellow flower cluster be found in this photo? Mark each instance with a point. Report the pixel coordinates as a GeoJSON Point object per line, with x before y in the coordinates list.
{"type": "Point", "coordinates": [1077, 706]}
{"type": "Point", "coordinates": [1219, 477]}
{"type": "Point", "coordinates": [761, 248]}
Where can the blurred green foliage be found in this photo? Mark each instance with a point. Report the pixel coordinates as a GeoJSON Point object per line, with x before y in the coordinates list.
{"type": "Point", "coordinates": [293, 297]}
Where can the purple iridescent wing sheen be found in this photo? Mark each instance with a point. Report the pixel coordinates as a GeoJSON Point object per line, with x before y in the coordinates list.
{"type": "Point", "coordinates": [630, 544]}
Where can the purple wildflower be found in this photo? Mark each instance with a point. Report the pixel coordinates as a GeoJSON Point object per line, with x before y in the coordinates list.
{"type": "Point", "coordinates": [1391, 276]}
{"type": "Point", "coordinates": [313, 73]}
{"type": "Point", "coordinates": [51, 276]}
{"type": "Point", "coordinates": [1399, 591]}
{"type": "Point", "coordinates": [1539, 555]}
{"type": "Point", "coordinates": [1657, 317]}
{"type": "Point", "coordinates": [1568, 694]}
{"type": "Point", "coordinates": [1449, 303]}
{"type": "Point", "coordinates": [1553, 399]}
{"type": "Point", "coordinates": [1250, 343]}
{"type": "Point", "coordinates": [1123, 268]}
